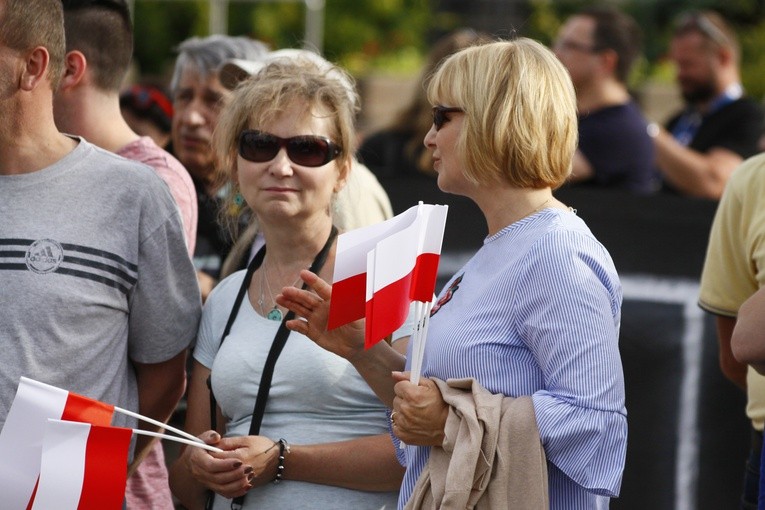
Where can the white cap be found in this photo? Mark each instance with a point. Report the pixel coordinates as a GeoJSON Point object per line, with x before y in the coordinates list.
{"type": "Point", "coordinates": [234, 71]}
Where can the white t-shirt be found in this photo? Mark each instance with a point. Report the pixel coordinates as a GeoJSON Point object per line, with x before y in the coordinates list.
{"type": "Point", "coordinates": [316, 397]}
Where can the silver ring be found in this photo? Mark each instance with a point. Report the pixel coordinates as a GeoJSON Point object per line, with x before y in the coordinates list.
{"type": "Point", "coordinates": [393, 419]}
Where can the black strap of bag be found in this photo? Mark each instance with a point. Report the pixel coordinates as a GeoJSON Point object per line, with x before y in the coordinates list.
{"type": "Point", "coordinates": [280, 339]}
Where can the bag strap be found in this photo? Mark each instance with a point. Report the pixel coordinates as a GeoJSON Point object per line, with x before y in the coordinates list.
{"type": "Point", "coordinates": [280, 339]}
{"type": "Point", "coordinates": [255, 263]}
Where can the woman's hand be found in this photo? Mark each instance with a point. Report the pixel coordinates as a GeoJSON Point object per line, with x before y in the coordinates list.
{"type": "Point", "coordinates": [224, 473]}
{"type": "Point", "coordinates": [259, 454]}
{"type": "Point", "coordinates": [313, 309]}
{"type": "Point", "coordinates": [419, 412]}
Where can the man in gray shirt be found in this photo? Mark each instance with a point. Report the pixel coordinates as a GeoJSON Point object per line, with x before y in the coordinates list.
{"type": "Point", "coordinates": [97, 292]}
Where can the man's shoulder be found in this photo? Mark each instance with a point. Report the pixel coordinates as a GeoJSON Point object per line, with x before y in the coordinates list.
{"type": "Point", "coordinates": [146, 151]}
{"type": "Point", "coordinates": [166, 166]}
{"type": "Point", "coordinates": [107, 164]}
{"type": "Point", "coordinates": [742, 106]}
{"type": "Point", "coordinates": [750, 172]}
{"type": "Point", "coordinates": [132, 178]}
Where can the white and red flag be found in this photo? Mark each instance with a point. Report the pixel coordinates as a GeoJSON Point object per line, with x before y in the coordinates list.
{"type": "Point", "coordinates": [429, 254]}
{"type": "Point", "coordinates": [22, 435]}
{"type": "Point", "coordinates": [84, 467]}
{"type": "Point", "coordinates": [403, 268]}
{"type": "Point", "coordinates": [381, 269]}
{"type": "Point", "coordinates": [25, 432]}
{"type": "Point", "coordinates": [349, 280]}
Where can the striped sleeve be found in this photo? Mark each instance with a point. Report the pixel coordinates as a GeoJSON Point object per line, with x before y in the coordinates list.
{"type": "Point", "coordinates": [569, 318]}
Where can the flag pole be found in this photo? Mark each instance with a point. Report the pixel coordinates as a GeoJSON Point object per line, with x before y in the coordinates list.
{"type": "Point", "coordinates": [414, 375]}
{"type": "Point", "coordinates": [204, 446]}
{"type": "Point", "coordinates": [159, 424]}
{"type": "Point", "coordinates": [425, 323]}
{"type": "Point", "coordinates": [422, 314]}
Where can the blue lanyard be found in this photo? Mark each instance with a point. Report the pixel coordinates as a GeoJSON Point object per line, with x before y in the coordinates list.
{"type": "Point", "coordinates": [690, 121]}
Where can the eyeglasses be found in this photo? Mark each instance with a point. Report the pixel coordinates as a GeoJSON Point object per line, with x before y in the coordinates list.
{"type": "Point", "coordinates": [306, 150]}
{"type": "Point", "coordinates": [575, 46]}
{"type": "Point", "coordinates": [440, 115]}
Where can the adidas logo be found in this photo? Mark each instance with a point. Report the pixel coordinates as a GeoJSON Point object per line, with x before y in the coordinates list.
{"type": "Point", "coordinates": [44, 256]}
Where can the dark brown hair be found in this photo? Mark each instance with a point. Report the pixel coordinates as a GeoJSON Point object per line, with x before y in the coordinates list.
{"type": "Point", "coordinates": [616, 31]}
{"type": "Point", "coordinates": [103, 32]}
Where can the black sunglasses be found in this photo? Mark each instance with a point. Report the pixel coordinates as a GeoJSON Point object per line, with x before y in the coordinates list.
{"type": "Point", "coordinates": [306, 150]}
{"type": "Point", "coordinates": [440, 115]}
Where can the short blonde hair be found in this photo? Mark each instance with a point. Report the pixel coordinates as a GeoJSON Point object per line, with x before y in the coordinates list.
{"type": "Point", "coordinates": [261, 99]}
{"type": "Point", "coordinates": [520, 123]}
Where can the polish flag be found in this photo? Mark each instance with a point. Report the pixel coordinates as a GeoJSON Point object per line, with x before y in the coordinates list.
{"type": "Point", "coordinates": [84, 467]}
{"type": "Point", "coordinates": [429, 255]}
{"type": "Point", "coordinates": [350, 274]}
{"type": "Point", "coordinates": [402, 268]}
{"type": "Point", "coordinates": [22, 436]}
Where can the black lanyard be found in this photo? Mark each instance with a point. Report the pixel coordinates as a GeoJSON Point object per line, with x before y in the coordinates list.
{"type": "Point", "coordinates": [280, 339]}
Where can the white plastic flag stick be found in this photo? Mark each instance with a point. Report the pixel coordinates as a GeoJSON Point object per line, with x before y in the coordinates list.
{"type": "Point", "coordinates": [425, 324]}
{"type": "Point", "coordinates": [159, 424]}
{"type": "Point", "coordinates": [424, 321]}
{"type": "Point", "coordinates": [416, 329]}
{"type": "Point", "coordinates": [196, 443]}
{"type": "Point", "coordinates": [416, 366]}
{"type": "Point", "coordinates": [419, 332]}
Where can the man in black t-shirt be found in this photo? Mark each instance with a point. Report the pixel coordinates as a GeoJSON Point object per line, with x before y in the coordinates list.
{"type": "Point", "coordinates": [598, 46]}
{"type": "Point", "coordinates": [719, 127]}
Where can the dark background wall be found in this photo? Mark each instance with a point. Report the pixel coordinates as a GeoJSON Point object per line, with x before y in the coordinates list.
{"type": "Point", "coordinates": [688, 434]}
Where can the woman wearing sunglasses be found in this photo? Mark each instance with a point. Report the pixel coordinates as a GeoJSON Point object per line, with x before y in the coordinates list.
{"type": "Point", "coordinates": [532, 318]}
{"type": "Point", "coordinates": [298, 426]}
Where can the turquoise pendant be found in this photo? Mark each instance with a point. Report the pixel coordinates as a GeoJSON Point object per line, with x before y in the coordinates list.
{"type": "Point", "coordinates": [275, 314]}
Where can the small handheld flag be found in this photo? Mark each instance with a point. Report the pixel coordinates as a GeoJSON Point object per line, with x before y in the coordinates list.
{"type": "Point", "coordinates": [394, 262]}
{"type": "Point", "coordinates": [83, 467]}
{"type": "Point", "coordinates": [25, 428]}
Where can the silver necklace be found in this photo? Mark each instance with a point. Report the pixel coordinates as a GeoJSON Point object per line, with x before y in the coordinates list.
{"type": "Point", "coordinates": [274, 314]}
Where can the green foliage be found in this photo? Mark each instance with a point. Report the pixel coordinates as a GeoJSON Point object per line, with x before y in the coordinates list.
{"type": "Point", "coordinates": [752, 42]}
{"type": "Point", "coordinates": [393, 35]}
{"type": "Point", "coordinates": [160, 26]}
{"type": "Point", "coordinates": [544, 21]}
{"type": "Point", "coordinates": [362, 35]}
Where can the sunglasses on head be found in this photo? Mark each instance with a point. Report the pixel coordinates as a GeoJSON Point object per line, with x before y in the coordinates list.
{"type": "Point", "coordinates": [306, 150]}
{"type": "Point", "coordinates": [700, 22]}
{"type": "Point", "coordinates": [440, 115]}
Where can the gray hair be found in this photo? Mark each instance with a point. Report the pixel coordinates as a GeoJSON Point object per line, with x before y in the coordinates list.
{"type": "Point", "coordinates": [207, 54]}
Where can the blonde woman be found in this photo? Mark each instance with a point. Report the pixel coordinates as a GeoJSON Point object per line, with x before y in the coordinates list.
{"type": "Point", "coordinates": [286, 142]}
{"type": "Point", "coordinates": [534, 314]}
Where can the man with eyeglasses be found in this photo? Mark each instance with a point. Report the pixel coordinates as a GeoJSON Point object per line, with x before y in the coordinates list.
{"type": "Point", "coordinates": [719, 127]}
{"type": "Point", "coordinates": [198, 97]}
{"type": "Point", "coordinates": [598, 46]}
{"type": "Point", "coordinates": [97, 290]}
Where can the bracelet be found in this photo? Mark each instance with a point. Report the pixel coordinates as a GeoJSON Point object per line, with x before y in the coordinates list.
{"type": "Point", "coordinates": [284, 446]}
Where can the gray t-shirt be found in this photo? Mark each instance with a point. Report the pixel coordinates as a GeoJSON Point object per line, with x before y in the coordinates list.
{"type": "Point", "coordinates": [316, 397]}
{"type": "Point", "coordinates": [93, 273]}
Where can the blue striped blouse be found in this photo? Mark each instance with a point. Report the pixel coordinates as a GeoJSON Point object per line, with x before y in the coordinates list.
{"type": "Point", "coordinates": [536, 312]}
